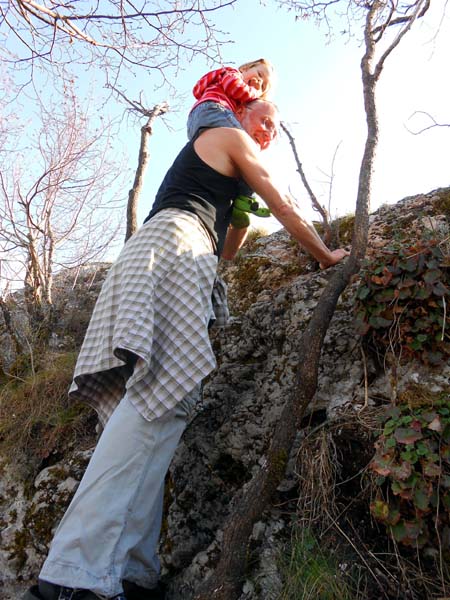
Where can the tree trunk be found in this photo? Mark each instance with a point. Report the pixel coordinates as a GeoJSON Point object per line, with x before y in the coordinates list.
{"type": "Point", "coordinates": [6, 313]}
{"type": "Point", "coordinates": [134, 193]}
{"type": "Point", "coordinates": [226, 581]}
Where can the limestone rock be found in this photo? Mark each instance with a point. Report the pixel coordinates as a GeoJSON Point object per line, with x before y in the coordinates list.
{"type": "Point", "coordinates": [273, 289]}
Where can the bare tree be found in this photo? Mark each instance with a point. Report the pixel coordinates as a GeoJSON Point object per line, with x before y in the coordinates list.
{"type": "Point", "coordinates": [56, 200]}
{"type": "Point", "coordinates": [112, 34]}
{"type": "Point", "coordinates": [225, 582]}
{"type": "Point", "coordinates": [137, 108]}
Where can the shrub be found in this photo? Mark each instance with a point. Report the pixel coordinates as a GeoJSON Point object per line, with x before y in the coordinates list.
{"type": "Point", "coordinates": [403, 301]}
{"type": "Point", "coordinates": [412, 461]}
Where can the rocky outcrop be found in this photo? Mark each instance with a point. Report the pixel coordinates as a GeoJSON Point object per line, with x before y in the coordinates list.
{"type": "Point", "coordinates": [273, 289]}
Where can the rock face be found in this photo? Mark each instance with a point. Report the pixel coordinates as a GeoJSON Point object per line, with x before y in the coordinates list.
{"type": "Point", "coordinates": [273, 290]}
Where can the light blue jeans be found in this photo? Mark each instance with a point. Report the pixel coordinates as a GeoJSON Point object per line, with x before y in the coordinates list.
{"type": "Point", "coordinates": [210, 114]}
{"type": "Point", "coordinates": [111, 529]}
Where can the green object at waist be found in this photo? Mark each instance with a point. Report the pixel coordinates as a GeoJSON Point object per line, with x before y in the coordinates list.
{"type": "Point", "coordinates": [250, 205]}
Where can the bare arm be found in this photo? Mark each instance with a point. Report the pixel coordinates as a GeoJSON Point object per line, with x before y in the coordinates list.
{"type": "Point", "coordinates": [245, 156]}
{"type": "Point", "coordinates": [234, 240]}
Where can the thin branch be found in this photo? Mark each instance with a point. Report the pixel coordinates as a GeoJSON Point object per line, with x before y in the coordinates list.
{"type": "Point", "coordinates": [434, 123]}
{"type": "Point", "coordinates": [314, 201]}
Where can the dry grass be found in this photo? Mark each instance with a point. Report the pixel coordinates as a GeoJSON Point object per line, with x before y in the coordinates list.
{"type": "Point", "coordinates": [317, 467]}
{"type": "Point", "coordinates": [36, 420]}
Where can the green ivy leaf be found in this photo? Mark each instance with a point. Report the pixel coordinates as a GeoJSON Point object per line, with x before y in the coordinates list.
{"type": "Point", "coordinates": [408, 532]}
{"type": "Point", "coordinates": [421, 500]}
{"type": "Point", "coordinates": [432, 275]}
{"type": "Point", "coordinates": [410, 264]}
{"type": "Point", "coordinates": [380, 510]}
{"type": "Point", "coordinates": [446, 434]}
{"type": "Point", "coordinates": [422, 293]}
{"type": "Point", "coordinates": [422, 449]}
{"type": "Point", "coordinates": [363, 292]}
{"type": "Point", "coordinates": [409, 456]}
{"type": "Point", "coordinates": [445, 453]}
{"type": "Point", "coordinates": [402, 490]}
{"type": "Point", "coordinates": [378, 322]}
{"type": "Point", "coordinates": [439, 289]}
{"type": "Point", "coordinates": [445, 481]}
{"type": "Point", "coordinates": [432, 263]}
{"type": "Point", "coordinates": [407, 435]}
{"type": "Point", "coordinates": [429, 415]}
{"type": "Point", "coordinates": [402, 472]}
{"type": "Point", "coordinates": [381, 465]}
{"type": "Point", "coordinates": [406, 293]}
{"type": "Point", "coordinates": [399, 531]}
{"type": "Point", "coordinates": [393, 413]}
{"type": "Point", "coordinates": [415, 345]}
{"type": "Point", "coordinates": [431, 469]}
{"type": "Point", "coordinates": [388, 429]}
{"type": "Point", "coordinates": [406, 283]}
{"type": "Point", "coordinates": [385, 295]}
{"type": "Point", "coordinates": [385, 513]}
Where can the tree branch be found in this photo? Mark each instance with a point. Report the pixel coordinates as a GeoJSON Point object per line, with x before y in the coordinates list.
{"type": "Point", "coordinates": [315, 203]}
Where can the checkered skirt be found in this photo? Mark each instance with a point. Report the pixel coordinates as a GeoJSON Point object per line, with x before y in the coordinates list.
{"type": "Point", "coordinates": [149, 329]}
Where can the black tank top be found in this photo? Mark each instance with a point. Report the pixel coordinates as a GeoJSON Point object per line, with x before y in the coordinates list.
{"type": "Point", "coordinates": [190, 184]}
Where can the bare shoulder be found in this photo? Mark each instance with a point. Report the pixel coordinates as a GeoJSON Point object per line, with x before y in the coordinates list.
{"type": "Point", "coordinates": [217, 147]}
{"type": "Point", "coordinates": [221, 136]}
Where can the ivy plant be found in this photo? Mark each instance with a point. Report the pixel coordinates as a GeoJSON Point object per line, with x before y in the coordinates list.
{"type": "Point", "coordinates": [403, 301]}
{"type": "Point", "coordinates": [412, 466]}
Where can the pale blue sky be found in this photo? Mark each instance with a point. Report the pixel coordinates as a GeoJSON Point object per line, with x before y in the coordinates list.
{"type": "Point", "coordinates": [319, 93]}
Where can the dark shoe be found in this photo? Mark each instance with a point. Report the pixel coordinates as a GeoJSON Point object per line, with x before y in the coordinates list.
{"type": "Point", "coordinates": [52, 591]}
{"type": "Point", "coordinates": [33, 594]}
{"type": "Point", "coordinates": [49, 591]}
{"type": "Point", "coordinates": [136, 592]}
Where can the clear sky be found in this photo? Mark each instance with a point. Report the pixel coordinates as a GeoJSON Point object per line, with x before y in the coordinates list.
{"type": "Point", "coordinates": [319, 93]}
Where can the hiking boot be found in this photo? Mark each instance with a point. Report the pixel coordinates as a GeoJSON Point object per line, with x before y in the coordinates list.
{"type": "Point", "coordinates": [32, 594]}
{"type": "Point", "coordinates": [51, 591]}
{"type": "Point", "coordinates": [133, 591]}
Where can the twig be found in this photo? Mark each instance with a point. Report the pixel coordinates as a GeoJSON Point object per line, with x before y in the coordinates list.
{"type": "Point", "coordinates": [366, 380]}
{"type": "Point", "coordinates": [434, 123]}
{"type": "Point", "coordinates": [444, 304]}
{"type": "Point", "coordinates": [314, 201]}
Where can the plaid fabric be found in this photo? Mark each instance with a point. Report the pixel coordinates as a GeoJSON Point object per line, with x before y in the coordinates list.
{"type": "Point", "coordinates": [221, 314]}
{"type": "Point", "coordinates": [149, 329]}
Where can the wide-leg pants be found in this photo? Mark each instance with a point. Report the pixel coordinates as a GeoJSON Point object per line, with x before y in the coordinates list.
{"type": "Point", "coordinates": [111, 529]}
